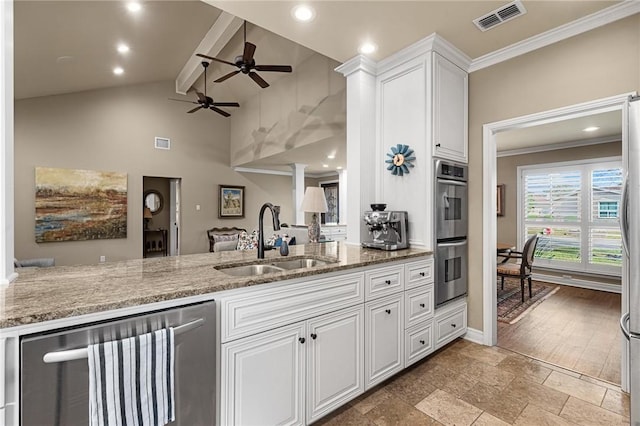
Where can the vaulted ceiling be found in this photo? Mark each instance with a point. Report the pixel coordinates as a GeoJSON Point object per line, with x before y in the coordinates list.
{"type": "Point", "coordinates": [70, 46]}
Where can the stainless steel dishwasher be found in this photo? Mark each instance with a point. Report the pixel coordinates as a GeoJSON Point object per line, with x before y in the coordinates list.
{"type": "Point", "coordinates": [54, 381]}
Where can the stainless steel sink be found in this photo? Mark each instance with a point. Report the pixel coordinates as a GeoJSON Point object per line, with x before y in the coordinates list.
{"type": "Point", "coordinates": [299, 263]}
{"type": "Point", "coordinates": [272, 267]}
{"type": "Point", "coordinates": [249, 270]}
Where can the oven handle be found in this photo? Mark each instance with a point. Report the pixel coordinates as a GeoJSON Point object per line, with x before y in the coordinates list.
{"type": "Point", "coordinates": [451, 182]}
{"type": "Point", "coordinates": [452, 244]}
{"type": "Point", "coordinates": [73, 354]}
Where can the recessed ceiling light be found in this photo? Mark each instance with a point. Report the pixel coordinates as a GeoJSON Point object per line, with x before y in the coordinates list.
{"type": "Point", "coordinates": [123, 48]}
{"type": "Point", "coordinates": [367, 47]}
{"type": "Point", "coordinates": [339, 168]}
{"type": "Point", "coordinates": [118, 71]}
{"type": "Point", "coordinates": [331, 156]}
{"type": "Point", "coordinates": [134, 6]}
{"type": "Point", "coordinates": [303, 13]}
{"type": "Point", "coordinates": [590, 129]}
{"type": "Point", "coordinates": [325, 165]}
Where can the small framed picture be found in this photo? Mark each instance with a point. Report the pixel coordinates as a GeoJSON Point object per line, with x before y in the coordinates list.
{"type": "Point", "coordinates": [500, 200]}
{"type": "Point", "coordinates": [230, 201]}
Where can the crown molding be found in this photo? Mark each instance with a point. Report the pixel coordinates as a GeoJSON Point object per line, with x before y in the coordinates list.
{"type": "Point", "coordinates": [579, 26]}
{"type": "Point", "coordinates": [561, 145]}
{"type": "Point", "coordinates": [357, 63]}
{"type": "Point", "coordinates": [433, 42]}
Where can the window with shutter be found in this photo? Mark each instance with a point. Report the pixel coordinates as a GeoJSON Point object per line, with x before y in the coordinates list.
{"type": "Point", "coordinates": [575, 207]}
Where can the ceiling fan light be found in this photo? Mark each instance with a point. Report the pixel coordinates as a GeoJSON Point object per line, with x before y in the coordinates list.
{"type": "Point", "coordinates": [367, 48]}
{"type": "Point", "coordinates": [303, 13]}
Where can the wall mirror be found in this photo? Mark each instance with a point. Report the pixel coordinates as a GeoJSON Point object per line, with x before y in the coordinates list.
{"type": "Point", "coordinates": [153, 200]}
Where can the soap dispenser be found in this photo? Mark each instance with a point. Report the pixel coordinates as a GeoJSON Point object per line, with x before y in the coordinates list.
{"type": "Point", "coordinates": [284, 248]}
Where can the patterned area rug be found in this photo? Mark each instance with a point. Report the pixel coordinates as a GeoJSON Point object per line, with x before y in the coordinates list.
{"type": "Point", "coordinates": [510, 306]}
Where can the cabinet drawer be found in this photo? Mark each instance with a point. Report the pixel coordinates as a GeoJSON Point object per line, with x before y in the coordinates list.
{"type": "Point", "coordinates": [419, 273]}
{"type": "Point", "coordinates": [418, 342]}
{"type": "Point", "coordinates": [265, 308]}
{"type": "Point", "coordinates": [383, 282]}
{"type": "Point", "coordinates": [418, 305]}
{"type": "Point", "coordinates": [451, 325]}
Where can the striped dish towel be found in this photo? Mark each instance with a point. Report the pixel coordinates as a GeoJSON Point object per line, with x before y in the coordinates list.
{"type": "Point", "coordinates": [131, 381]}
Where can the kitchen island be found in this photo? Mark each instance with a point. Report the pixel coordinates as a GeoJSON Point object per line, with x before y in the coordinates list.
{"type": "Point", "coordinates": [364, 315]}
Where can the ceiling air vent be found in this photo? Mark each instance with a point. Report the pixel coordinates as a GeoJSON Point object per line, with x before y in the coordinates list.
{"type": "Point", "coordinates": [500, 15]}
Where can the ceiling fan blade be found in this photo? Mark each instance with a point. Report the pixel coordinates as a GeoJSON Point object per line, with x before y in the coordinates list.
{"type": "Point", "coordinates": [277, 68]}
{"type": "Point", "coordinates": [249, 50]}
{"type": "Point", "coordinates": [226, 104]}
{"type": "Point", "coordinates": [182, 100]}
{"type": "Point", "coordinates": [224, 77]}
{"type": "Point", "coordinates": [215, 59]}
{"type": "Point", "coordinates": [221, 112]}
{"type": "Point", "coordinates": [194, 110]}
{"type": "Point", "coordinates": [259, 80]}
{"type": "Point", "coordinates": [201, 97]}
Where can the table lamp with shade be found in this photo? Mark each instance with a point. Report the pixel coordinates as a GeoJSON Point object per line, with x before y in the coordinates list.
{"type": "Point", "coordinates": [147, 215]}
{"type": "Point", "coordinates": [314, 202]}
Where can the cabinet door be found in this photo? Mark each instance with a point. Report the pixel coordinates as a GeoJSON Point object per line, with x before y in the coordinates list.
{"type": "Point", "coordinates": [449, 110]}
{"type": "Point", "coordinates": [263, 378]}
{"type": "Point", "coordinates": [384, 347]}
{"type": "Point", "coordinates": [335, 354]}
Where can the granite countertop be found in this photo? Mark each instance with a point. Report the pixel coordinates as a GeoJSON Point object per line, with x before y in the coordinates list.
{"type": "Point", "coordinates": [43, 294]}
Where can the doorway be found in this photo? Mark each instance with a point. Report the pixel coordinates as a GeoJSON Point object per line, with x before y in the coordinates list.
{"type": "Point", "coordinates": [490, 182]}
{"type": "Point", "coordinates": [161, 216]}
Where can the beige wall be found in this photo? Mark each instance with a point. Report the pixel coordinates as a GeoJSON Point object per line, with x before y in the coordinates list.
{"type": "Point", "coordinates": [307, 106]}
{"type": "Point", "coordinates": [114, 130]}
{"type": "Point", "coordinates": [601, 63]}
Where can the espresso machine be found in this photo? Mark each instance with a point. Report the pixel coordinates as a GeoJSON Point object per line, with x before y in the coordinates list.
{"type": "Point", "coordinates": [387, 230]}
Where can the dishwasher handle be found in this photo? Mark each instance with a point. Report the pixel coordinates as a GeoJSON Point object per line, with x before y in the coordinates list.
{"type": "Point", "coordinates": [73, 354]}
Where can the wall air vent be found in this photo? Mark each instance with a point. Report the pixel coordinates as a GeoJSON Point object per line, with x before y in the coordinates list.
{"type": "Point", "coordinates": [500, 15]}
{"type": "Point", "coordinates": [163, 143]}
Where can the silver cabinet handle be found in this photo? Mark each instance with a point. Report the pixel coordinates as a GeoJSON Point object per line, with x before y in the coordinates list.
{"type": "Point", "coordinates": [624, 224]}
{"type": "Point", "coordinates": [624, 320]}
{"type": "Point", "coordinates": [73, 354]}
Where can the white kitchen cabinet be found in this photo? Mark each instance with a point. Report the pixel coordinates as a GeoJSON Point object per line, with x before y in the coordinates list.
{"type": "Point", "coordinates": [268, 377]}
{"type": "Point", "coordinates": [450, 322]}
{"type": "Point", "coordinates": [450, 100]}
{"type": "Point", "coordinates": [263, 378]}
{"type": "Point", "coordinates": [384, 339]}
{"type": "Point", "coordinates": [335, 358]}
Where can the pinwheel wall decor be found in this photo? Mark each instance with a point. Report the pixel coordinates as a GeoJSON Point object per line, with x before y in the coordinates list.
{"type": "Point", "coordinates": [400, 159]}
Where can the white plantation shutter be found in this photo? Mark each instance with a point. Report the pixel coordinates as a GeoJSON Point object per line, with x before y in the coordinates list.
{"type": "Point", "coordinates": [553, 197]}
{"type": "Point", "coordinates": [575, 207]}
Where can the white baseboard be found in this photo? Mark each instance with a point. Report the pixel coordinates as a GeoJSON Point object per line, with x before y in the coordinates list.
{"type": "Point", "coordinates": [475, 336]}
{"type": "Point", "coordinates": [574, 282]}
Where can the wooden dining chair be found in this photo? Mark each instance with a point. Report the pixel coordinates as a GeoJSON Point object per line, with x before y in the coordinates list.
{"type": "Point", "coordinates": [521, 269]}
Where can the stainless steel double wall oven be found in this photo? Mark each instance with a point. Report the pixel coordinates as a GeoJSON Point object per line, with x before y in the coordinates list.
{"type": "Point", "coordinates": [450, 229]}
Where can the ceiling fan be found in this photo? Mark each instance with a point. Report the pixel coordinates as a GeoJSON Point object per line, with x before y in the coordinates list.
{"type": "Point", "coordinates": [207, 102]}
{"type": "Point", "coordinates": [247, 65]}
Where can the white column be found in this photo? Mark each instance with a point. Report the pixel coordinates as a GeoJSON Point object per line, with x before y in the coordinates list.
{"type": "Point", "coordinates": [342, 196]}
{"type": "Point", "coordinates": [298, 191]}
{"type": "Point", "coordinates": [7, 273]}
{"type": "Point", "coordinates": [361, 136]}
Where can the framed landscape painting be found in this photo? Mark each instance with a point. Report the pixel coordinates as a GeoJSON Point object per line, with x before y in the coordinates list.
{"type": "Point", "coordinates": [230, 201]}
{"type": "Point", "coordinates": [77, 205]}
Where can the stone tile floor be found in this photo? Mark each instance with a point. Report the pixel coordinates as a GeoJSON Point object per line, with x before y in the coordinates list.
{"type": "Point", "coordinates": [469, 384]}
